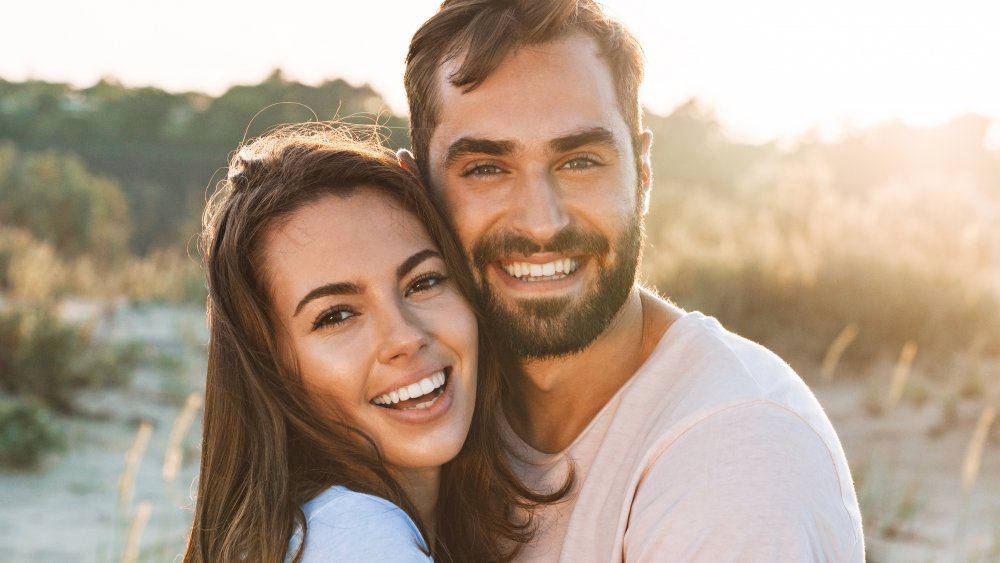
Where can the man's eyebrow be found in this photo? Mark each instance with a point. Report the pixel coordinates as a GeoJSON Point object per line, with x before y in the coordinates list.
{"type": "Point", "coordinates": [414, 261]}
{"type": "Point", "coordinates": [469, 145]}
{"type": "Point", "coordinates": [575, 140]}
{"type": "Point", "coordinates": [342, 288]}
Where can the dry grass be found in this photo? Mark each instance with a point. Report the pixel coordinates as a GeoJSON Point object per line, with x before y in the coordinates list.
{"type": "Point", "coordinates": [136, 527]}
{"type": "Point", "coordinates": [31, 271]}
{"type": "Point", "coordinates": [134, 522]}
{"type": "Point", "coordinates": [974, 453]}
{"type": "Point", "coordinates": [790, 258]}
{"type": "Point", "coordinates": [901, 373]}
{"type": "Point", "coordinates": [836, 350]}
{"type": "Point", "coordinates": [126, 482]}
{"type": "Point", "coordinates": [175, 445]}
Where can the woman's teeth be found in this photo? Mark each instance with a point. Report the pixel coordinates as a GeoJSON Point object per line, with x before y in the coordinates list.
{"type": "Point", "coordinates": [535, 272]}
{"type": "Point", "coordinates": [425, 386]}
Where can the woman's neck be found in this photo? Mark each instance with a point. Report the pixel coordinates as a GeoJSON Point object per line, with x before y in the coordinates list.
{"type": "Point", "coordinates": [421, 486]}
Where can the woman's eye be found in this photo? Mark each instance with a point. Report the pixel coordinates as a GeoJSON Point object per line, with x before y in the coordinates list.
{"type": "Point", "coordinates": [482, 170]}
{"type": "Point", "coordinates": [425, 283]}
{"type": "Point", "coordinates": [332, 317]}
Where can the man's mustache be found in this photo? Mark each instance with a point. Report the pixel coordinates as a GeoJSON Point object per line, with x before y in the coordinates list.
{"type": "Point", "coordinates": [570, 240]}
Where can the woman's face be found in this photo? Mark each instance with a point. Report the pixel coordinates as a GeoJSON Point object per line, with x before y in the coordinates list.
{"type": "Point", "coordinates": [377, 329]}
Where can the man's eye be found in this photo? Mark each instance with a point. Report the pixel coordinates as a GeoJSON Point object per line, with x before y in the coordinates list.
{"type": "Point", "coordinates": [482, 170]}
{"type": "Point", "coordinates": [332, 317]}
{"type": "Point", "coordinates": [581, 163]}
{"type": "Point", "coordinates": [425, 283]}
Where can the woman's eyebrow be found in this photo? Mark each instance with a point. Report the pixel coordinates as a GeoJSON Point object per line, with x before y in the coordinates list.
{"type": "Point", "coordinates": [415, 260]}
{"type": "Point", "coordinates": [342, 288]}
{"type": "Point", "coordinates": [350, 288]}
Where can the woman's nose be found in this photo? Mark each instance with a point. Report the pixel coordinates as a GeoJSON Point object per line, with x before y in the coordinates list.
{"type": "Point", "coordinates": [401, 333]}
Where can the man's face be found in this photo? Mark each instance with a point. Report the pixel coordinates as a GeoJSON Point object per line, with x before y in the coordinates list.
{"type": "Point", "coordinates": [537, 170]}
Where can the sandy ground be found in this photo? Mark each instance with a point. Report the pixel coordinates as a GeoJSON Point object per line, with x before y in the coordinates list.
{"type": "Point", "coordinates": [907, 464]}
{"type": "Point", "coordinates": [70, 511]}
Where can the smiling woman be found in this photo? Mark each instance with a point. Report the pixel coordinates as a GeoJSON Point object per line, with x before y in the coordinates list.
{"type": "Point", "coordinates": [351, 399]}
{"type": "Point", "coordinates": [382, 335]}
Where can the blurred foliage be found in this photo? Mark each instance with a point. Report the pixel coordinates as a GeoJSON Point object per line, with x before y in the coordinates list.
{"type": "Point", "coordinates": [895, 229]}
{"type": "Point", "coordinates": [164, 148]}
{"type": "Point", "coordinates": [27, 434]}
{"type": "Point", "coordinates": [54, 197]}
{"type": "Point", "coordinates": [32, 271]}
{"type": "Point", "coordinates": [46, 359]}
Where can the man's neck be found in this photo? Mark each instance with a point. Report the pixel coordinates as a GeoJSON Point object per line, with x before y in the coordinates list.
{"type": "Point", "coordinates": [555, 399]}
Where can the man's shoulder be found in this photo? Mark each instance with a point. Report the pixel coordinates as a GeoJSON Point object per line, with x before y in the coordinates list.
{"type": "Point", "coordinates": [709, 420]}
{"type": "Point", "coordinates": [699, 369]}
{"type": "Point", "coordinates": [698, 359]}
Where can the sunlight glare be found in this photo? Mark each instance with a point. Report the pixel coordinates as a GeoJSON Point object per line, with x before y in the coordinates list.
{"type": "Point", "coordinates": [768, 68]}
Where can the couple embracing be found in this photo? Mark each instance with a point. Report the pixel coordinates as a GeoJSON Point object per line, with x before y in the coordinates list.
{"type": "Point", "coordinates": [445, 355]}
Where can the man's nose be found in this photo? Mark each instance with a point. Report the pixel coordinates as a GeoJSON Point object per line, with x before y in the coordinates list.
{"type": "Point", "coordinates": [538, 210]}
{"type": "Point", "coordinates": [401, 334]}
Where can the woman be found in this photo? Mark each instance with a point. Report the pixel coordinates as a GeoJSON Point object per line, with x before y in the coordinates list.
{"type": "Point", "coordinates": [352, 406]}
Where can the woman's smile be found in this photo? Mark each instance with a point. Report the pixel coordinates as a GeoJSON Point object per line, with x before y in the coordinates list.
{"type": "Point", "coordinates": [419, 395]}
{"type": "Point", "coordinates": [378, 332]}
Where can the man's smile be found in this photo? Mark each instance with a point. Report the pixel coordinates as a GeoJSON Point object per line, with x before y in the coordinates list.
{"type": "Point", "coordinates": [547, 271]}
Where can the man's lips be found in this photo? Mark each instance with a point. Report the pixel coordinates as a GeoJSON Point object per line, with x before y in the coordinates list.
{"type": "Point", "coordinates": [563, 255]}
{"type": "Point", "coordinates": [555, 269]}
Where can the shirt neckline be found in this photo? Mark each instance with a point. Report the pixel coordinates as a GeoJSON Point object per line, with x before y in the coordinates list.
{"type": "Point", "coordinates": [666, 342]}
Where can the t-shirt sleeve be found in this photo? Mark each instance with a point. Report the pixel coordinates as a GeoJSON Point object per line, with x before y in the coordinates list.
{"type": "Point", "coordinates": [362, 528]}
{"type": "Point", "coordinates": [752, 483]}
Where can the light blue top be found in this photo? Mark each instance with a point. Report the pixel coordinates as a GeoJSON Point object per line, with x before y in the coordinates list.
{"type": "Point", "coordinates": [343, 525]}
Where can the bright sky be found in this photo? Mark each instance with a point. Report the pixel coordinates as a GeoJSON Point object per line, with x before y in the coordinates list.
{"type": "Point", "coordinates": [768, 67]}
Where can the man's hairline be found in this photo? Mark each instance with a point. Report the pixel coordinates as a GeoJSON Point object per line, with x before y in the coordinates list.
{"type": "Point", "coordinates": [448, 64]}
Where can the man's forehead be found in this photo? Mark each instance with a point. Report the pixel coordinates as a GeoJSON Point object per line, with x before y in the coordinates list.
{"type": "Point", "coordinates": [531, 54]}
{"type": "Point", "coordinates": [540, 92]}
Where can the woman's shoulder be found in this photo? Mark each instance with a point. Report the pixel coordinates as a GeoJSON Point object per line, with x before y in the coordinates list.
{"type": "Point", "coordinates": [337, 501]}
{"type": "Point", "coordinates": [346, 524]}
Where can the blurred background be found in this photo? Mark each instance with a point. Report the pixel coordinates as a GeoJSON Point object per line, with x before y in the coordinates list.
{"type": "Point", "coordinates": [827, 182]}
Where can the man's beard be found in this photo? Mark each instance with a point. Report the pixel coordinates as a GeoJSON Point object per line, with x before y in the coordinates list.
{"type": "Point", "coordinates": [552, 327]}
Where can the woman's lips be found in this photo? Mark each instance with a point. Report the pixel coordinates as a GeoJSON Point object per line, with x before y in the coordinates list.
{"type": "Point", "coordinates": [416, 396]}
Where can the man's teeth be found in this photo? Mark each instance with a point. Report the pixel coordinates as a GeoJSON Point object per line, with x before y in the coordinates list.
{"type": "Point", "coordinates": [423, 387]}
{"type": "Point", "coordinates": [550, 270]}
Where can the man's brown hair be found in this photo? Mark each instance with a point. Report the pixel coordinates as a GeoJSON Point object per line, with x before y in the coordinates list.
{"type": "Point", "coordinates": [483, 33]}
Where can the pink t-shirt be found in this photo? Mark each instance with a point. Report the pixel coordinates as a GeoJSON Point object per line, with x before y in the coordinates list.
{"type": "Point", "coordinates": [714, 451]}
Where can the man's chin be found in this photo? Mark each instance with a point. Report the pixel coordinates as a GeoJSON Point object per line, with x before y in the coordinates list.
{"type": "Point", "coordinates": [560, 325]}
{"type": "Point", "coordinates": [536, 329]}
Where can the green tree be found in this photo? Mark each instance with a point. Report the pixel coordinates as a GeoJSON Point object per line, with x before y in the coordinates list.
{"type": "Point", "coordinates": [55, 197]}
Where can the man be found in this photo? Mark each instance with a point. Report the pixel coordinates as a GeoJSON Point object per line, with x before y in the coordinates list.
{"type": "Point", "coordinates": [687, 442]}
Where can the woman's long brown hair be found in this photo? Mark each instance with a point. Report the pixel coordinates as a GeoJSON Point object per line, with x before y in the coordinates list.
{"type": "Point", "coordinates": [265, 449]}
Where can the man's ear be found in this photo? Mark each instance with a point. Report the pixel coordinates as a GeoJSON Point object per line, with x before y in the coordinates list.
{"type": "Point", "coordinates": [408, 162]}
{"type": "Point", "coordinates": [645, 168]}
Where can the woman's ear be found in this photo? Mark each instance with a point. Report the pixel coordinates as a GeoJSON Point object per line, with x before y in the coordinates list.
{"type": "Point", "coordinates": [408, 162]}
